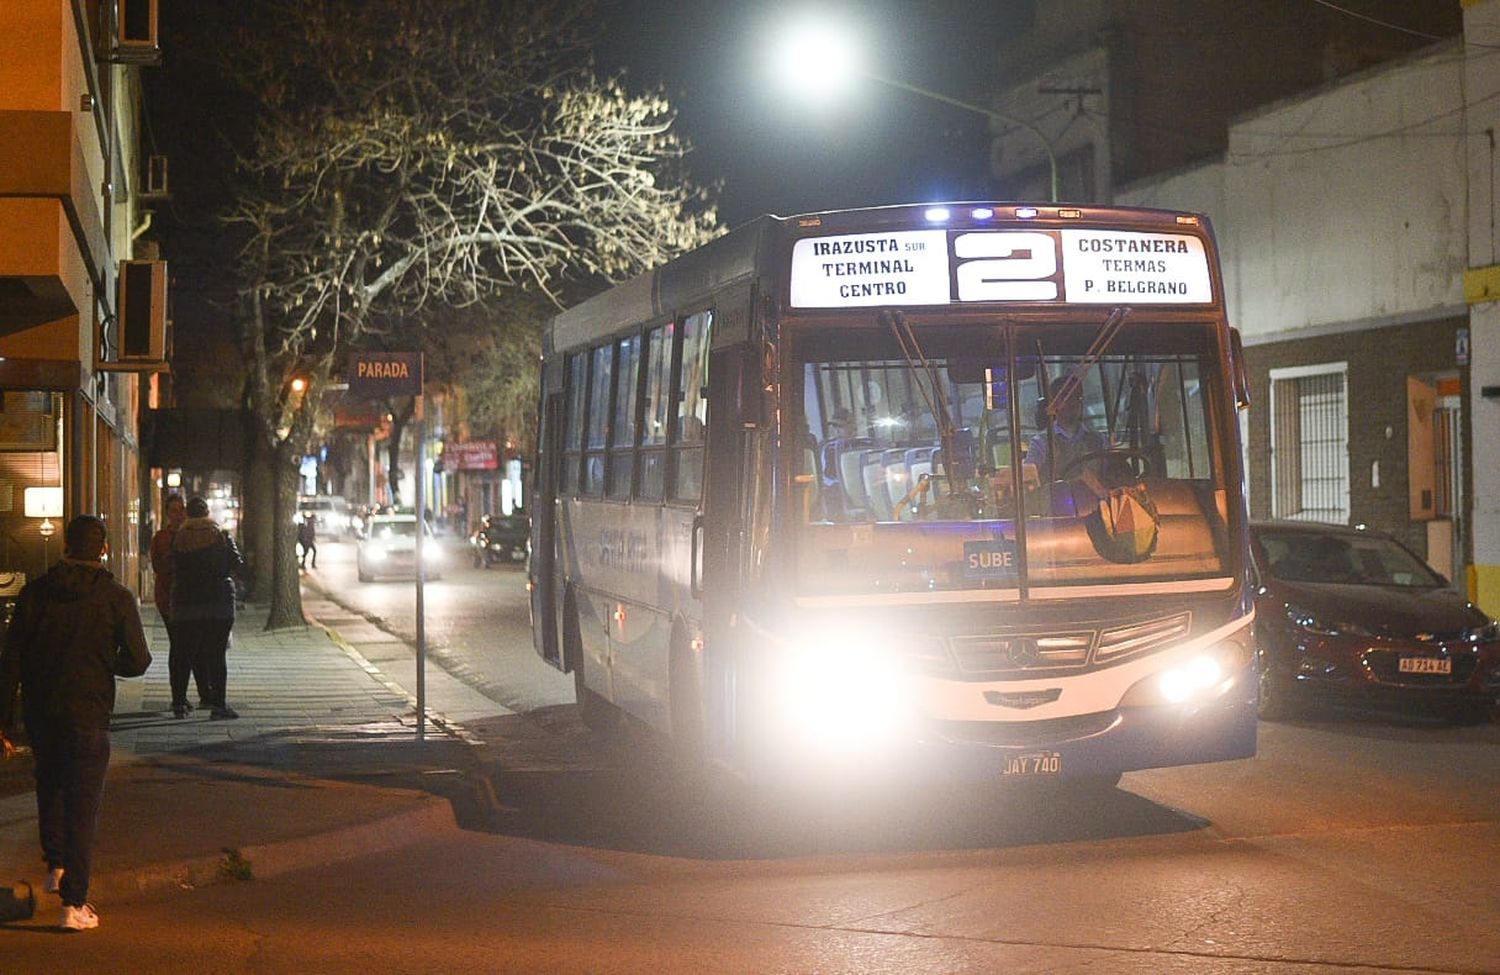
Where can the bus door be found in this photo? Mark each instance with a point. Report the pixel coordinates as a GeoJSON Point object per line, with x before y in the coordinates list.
{"type": "Point", "coordinates": [545, 577]}
{"type": "Point", "coordinates": [721, 530]}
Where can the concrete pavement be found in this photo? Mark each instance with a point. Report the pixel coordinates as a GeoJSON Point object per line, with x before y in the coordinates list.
{"type": "Point", "coordinates": [322, 765]}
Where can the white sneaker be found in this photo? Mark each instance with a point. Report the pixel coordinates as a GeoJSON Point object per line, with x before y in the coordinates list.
{"type": "Point", "coordinates": [54, 880]}
{"type": "Point", "coordinates": [78, 918]}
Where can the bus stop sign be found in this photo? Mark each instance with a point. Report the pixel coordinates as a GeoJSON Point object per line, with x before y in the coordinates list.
{"type": "Point", "coordinates": [375, 375]}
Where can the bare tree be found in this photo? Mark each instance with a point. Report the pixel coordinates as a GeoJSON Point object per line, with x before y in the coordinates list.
{"type": "Point", "coordinates": [405, 158]}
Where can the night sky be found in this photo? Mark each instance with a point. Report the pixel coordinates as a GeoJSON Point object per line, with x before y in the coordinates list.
{"type": "Point", "coordinates": [773, 155]}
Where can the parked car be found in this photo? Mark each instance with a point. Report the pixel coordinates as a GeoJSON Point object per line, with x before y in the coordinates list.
{"type": "Point", "coordinates": [500, 538]}
{"type": "Point", "coordinates": [389, 549]}
{"type": "Point", "coordinates": [331, 513]}
{"type": "Point", "coordinates": [1352, 616]}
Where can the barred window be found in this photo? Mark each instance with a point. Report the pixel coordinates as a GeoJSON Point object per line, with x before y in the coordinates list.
{"type": "Point", "coordinates": [1310, 443]}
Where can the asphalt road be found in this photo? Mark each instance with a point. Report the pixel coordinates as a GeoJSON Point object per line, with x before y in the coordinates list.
{"type": "Point", "coordinates": [477, 622]}
{"type": "Point", "coordinates": [1346, 846]}
{"type": "Point", "coordinates": [1350, 845]}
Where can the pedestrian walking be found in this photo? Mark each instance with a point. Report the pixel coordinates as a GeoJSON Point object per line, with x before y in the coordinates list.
{"type": "Point", "coordinates": [307, 539]}
{"type": "Point", "coordinates": [204, 562]}
{"type": "Point", "coordinates": [180, 663]}
{"type": "Point", "coordinates": [73, 632]}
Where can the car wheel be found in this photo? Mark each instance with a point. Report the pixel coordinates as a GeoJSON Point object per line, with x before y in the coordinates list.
{"type": "Point", "coordinates": [1277, 698]}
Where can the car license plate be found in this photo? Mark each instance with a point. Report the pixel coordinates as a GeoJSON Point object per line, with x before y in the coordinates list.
{"type": "Point", "coordinates": [1425, 665]}
{"type": "Point", "coordinates": [1037, 763]}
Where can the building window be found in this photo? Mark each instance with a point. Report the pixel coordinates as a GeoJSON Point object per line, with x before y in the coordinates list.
{"type": "Point", "coordinates": [1310, 443]}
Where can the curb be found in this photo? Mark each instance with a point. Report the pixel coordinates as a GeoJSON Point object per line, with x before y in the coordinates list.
{"type": "Point", "coordinates": [265, 860]}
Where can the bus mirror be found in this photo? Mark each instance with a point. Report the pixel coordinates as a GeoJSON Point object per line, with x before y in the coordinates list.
{"type": "Point", "coordinates": [1241, 377]}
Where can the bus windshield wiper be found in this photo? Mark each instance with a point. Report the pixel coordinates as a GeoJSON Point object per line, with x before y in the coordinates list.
{"type": "Point", "coordinates": [932, 391]}
{"type": "Point", "coordinates": [1074, 380]}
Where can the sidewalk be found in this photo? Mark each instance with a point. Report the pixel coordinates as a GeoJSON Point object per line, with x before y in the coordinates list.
{"type": "Point", "coordinates": [322, 765]}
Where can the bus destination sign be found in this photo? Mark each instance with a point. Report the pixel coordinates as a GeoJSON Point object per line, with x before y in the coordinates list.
{"type": "Point", "coordinates": [935, 267]}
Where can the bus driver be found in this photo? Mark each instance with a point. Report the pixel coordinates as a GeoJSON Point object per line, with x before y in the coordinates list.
{"type": "Point", "coordinates": [1070, 439]}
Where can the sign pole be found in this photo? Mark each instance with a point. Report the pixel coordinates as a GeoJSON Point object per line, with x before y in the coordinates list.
{"type": "Point", "coordinates": [376, 375]}
{"type": "Point", "coordinates": [421, 450]}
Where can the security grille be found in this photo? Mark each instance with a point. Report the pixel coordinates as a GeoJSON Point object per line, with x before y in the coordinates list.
{"type": "Point", "coordinates": [1310, 443]}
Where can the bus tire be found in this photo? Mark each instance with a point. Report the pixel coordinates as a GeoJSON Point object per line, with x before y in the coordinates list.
{"type": "Point", "coordinates": [596, 712]}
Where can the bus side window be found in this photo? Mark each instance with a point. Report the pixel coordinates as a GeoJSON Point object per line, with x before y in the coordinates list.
{"type": "Point", "coordinates": [598, 420]}
{"type": "Point", "coordinates": [622, 439]}
{"type": "Point", "coordinates": [653, 463]}
{"type": "Point", "coordinates": [692, 406]}
{"type": "Point", "coordinates": [576, 376]}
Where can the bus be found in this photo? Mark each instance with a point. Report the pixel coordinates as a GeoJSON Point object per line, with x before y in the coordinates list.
{"type": "Point", "coordinates": [952, 488]}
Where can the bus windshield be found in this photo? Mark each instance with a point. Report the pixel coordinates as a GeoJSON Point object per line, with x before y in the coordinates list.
{"type": "Point", "coordinates": [1007, 456]}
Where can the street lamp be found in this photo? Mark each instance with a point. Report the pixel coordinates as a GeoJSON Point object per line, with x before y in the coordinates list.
{"type": "Point", "coordinates": [819, 59]}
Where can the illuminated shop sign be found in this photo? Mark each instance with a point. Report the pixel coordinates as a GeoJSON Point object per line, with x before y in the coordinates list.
{"type": "Point", "coordinates": [936, 267]}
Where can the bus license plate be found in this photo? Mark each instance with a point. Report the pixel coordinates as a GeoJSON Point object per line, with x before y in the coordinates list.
{"type": "Point", "coordinates": [1425, 665]}
{"type": "Point", "coordinates": [1039, 763]}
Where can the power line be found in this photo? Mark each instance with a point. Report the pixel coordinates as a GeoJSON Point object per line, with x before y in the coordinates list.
{"type": "Point", "coordinates": [1376, 21]}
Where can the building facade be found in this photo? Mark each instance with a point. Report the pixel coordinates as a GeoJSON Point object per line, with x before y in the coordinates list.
{"type": "Point", "coordinates": [1348, 166]}
{"type": "Point", "coordinates": [77, 350]}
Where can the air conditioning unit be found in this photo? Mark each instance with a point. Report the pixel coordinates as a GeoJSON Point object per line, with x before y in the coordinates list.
{"type": "Point", "coordinates": [135, 32]}
{"type": "Point", "coordinates": [140, 336]}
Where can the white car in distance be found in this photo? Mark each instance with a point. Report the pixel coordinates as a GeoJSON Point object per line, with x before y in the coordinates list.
{"type": "Point", "coordinates": [389, 550]}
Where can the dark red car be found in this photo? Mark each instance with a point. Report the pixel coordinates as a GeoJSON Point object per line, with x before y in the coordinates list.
{"type": "Point", "coordinates": [1352, 616]}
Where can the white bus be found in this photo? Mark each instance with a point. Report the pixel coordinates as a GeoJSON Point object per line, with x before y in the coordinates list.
{"type": "Point", "coordinates": [953, 485]}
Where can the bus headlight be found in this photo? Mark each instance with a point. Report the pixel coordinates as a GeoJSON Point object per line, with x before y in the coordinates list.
{"type": "Point", "coordinates": [841, 688]}
{"type": "Point", "coordinates": [1189, 680]}
{"type": "Point", "coordinates": [1195, 679]}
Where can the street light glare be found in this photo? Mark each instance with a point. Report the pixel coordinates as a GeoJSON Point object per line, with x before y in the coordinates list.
{"type": "Point", "coordinates": [818, 58]}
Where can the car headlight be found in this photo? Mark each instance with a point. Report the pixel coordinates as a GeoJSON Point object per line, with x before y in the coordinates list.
{"type": "Point", "coordinates": [1486, 633]}
{"type": "Point", "coordinates": [375, 553]}
{"type": "Point", "coordinates": [1302, 619]}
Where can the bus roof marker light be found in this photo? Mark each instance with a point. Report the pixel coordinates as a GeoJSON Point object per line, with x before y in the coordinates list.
{"type": "Point", "coordinates": [981, 213]}
{"type": "Point", "coordinates": [938, 214]}
{"type": "Point", "coordinates": [1025, 213]}
{"type": "Point", "coordinates": [1189, 219]}
{"type": "Point", "coordinates": [1072, 213]}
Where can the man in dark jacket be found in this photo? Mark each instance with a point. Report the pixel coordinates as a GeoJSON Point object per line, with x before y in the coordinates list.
{"type": "Point", "coordinates": [204, 562]}
{"type": "Point", "coordinates": [73, 632]}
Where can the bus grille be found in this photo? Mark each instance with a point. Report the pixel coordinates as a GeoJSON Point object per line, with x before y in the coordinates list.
{"type": "Point", "coordinates": [1022, 652]}
{"type": "Point", "coordinates": [1025, 654]}
{"type": "Point", "coordinates": [1124, 641]}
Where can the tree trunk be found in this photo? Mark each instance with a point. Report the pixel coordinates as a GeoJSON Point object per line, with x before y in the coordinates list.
{"type": "Point", "coordinates": [257, 517]}
{"type": "Point", "coordinates": [286, 585]}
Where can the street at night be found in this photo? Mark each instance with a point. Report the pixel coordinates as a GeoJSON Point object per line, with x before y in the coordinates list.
{"type": "Point", "coordinates": [1350, 843]}
{"type": "Point", "coordinates": [743, 486]}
